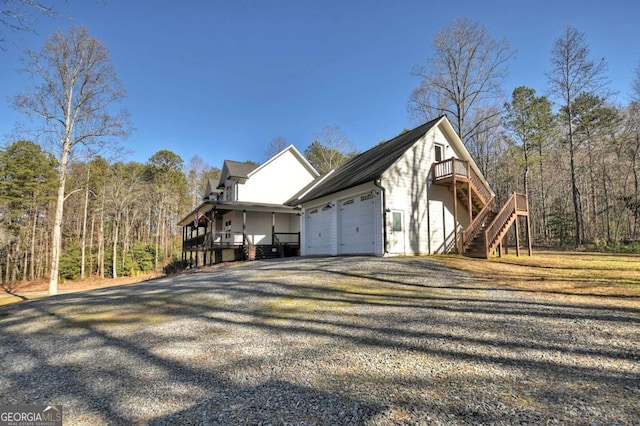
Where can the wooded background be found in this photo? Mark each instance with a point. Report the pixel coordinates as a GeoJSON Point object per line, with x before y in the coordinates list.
{"type": "Point", "coordinates": [573, 150]}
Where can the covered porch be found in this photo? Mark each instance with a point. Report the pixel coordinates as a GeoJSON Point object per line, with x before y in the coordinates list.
{"type": "Point", "coordinates": [219, 231]}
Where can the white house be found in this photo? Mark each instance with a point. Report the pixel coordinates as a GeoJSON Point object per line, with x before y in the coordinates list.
{"type": "Point", "coordinates": [244, 215]}
{"type": "Point", "coordinates": [418, 193]}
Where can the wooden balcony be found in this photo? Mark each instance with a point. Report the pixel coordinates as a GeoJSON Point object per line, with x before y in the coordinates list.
{"type": "Point", "coordinates": [459, 174]}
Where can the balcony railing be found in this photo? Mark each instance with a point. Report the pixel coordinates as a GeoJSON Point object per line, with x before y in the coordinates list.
{"type": "Point", "coordinates": [456, 169]}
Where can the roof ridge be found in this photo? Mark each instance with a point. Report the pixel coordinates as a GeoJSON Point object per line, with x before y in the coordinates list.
{"type": "Point", "coordinates": [370, 164]}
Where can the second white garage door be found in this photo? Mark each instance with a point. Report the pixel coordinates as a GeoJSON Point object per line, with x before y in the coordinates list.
{"type": "Point", "coordinates": [355, 223]}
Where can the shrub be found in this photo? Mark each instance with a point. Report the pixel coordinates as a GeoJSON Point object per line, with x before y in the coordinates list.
{"type": "Point", "coordinates": [175, 266]}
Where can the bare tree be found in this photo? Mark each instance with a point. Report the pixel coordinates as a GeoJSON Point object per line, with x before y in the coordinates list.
{"type": "Point", "coordinates": [330, 149]}
{"type": "Point", "coordinates": [572, 73]}
{"type": "Point", "coordinates": [635, 85]}
{"type": "Point", "coordinates": [73, 102]}
{"type": "Point", "coordinates": [463, 75]}
{"type": "Point", "coordinates": [17, 15]}
{"type": "Point", "coordinates": [276, 145]}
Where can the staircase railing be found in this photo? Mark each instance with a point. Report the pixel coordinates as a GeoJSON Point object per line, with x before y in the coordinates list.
{"type": "Point", "coordinates": [481, 187]}
{"type": "Point", "coordinates": [493, 231]}
{"type": "Point", "coordinates": [474, 228]}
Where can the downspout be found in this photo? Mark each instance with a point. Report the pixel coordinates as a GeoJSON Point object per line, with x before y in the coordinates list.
{"type": "Point", "coordinates": [378, 184]}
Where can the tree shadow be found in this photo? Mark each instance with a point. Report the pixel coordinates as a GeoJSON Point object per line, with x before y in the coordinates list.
{"type": "Point", "coordinates": [273, 341]}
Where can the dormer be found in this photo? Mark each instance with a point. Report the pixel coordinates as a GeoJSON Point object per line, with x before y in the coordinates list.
{"type": "Point", "coordinates": [233, 174]}
{"type": "Point", "coordinates": [211, 192]}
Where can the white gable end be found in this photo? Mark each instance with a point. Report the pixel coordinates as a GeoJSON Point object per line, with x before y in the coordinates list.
{"type": "Point", "coordinates": [278, 180]}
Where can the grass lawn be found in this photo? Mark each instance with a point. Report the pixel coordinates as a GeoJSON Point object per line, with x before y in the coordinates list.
{"type": "Point", "coordinates": [564, 273]}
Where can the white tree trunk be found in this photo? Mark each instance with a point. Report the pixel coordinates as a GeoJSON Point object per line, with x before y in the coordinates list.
{"type": "Point", "coordinates": [56, 239]}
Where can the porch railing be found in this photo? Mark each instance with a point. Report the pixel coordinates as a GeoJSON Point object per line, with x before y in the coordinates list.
{"type": "Point", "coordinates": [454, 168]}
{"type": "Point", "coordinates": [214, 239]}
{"type": "Point", "coordinates": [222, 239]}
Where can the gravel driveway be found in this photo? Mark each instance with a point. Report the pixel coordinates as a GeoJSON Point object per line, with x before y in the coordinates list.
{"type": "Point", "coordinates": [323, 341]}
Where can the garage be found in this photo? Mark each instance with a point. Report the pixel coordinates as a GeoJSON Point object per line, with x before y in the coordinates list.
{"type": "Point", "coordinates": [355, 221]}
{"type": "Point", "coordinates": [318, 230]}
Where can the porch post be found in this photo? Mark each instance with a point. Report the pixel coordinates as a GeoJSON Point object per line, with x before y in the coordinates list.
{"type": "Point", "coordinates": [455, 215]}
{"type": "Point", "coordinates": [191, 249]}
{"type": "Point", "coordinates": [244, 226]}
{"type": "Point", "coordinates": [184, 241]}
{"type": "Point", "coordinates": [528, 224]}
{"type": "Point", "coordinates": [469, 189]}
{"type": "Point", "coordinates": [197, 246]}
{"type": "Point", "coordinates": [517, 236]}
{"type": "Point", "coordinates": [273, 227]}
{"type": "Point", "coordinates": [204, 241]}
{"type": "Point", "coordinates": [470, 203]}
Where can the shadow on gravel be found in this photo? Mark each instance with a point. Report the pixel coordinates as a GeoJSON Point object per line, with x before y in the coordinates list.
{"type": "Point", "coordinates": [320, 341]}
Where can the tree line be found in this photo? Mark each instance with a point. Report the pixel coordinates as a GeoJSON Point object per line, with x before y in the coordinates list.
{"type": "Point", "coordinates": [120, 217]}
{"type": "Point", "coordinates": [573, 149]}
{"type": "Point", "coordinates": [67, 211]}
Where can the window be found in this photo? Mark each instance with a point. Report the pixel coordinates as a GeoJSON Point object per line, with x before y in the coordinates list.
{"type": "Point", "coordinates": [227, 229]}
{"type": "Point", "coordinates": [397, 222]}
{"type": "Point", "coordinates": [438, 152]}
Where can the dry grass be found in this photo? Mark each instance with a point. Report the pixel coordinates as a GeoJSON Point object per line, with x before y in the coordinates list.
{"type": "Point", "coordinates": [615, 276]}
{"type": "Point", "coordinates": [27, 290]}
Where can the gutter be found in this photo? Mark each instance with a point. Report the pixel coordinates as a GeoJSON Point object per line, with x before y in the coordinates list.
{"type": "Point", "coordinates": [378, 184]}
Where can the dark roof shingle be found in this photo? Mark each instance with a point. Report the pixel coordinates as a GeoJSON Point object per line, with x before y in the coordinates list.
{"type": "Point", "coordinates": [369, 165]}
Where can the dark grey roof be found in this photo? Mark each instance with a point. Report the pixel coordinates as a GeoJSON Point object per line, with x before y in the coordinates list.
{"type": "Point", "coordinates": [368, 166]}
{"type": "Point", "coordinates": [237, 169]}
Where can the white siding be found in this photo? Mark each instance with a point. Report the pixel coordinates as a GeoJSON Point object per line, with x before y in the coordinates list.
{"type": "Point", "coordinates": [276, 182]}
{"type": "Point", "coordinates": [428, 208]}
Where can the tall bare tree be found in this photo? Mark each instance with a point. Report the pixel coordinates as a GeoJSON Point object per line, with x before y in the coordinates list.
{"type": "Point", "coordinates": [78, 89]}
{"type": "Point", "coordinates": [572, 73]}
{"type": "Point", "coordinates": [464, 74]}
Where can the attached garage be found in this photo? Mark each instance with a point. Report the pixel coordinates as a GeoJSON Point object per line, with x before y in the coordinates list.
{"type": "Point", "coordinates": [318, 230]}
{"type": "Point", "coordinates": [356, 223]}
{"type": "Point", "coordinates": [383, 201]}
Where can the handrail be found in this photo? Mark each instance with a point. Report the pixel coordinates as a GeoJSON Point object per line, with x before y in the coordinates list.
{"type": "Point", "coordinates": [213, 238]}
{"type": "Point", "coordinates": [295, 240]}
{"type": "Point", "coordinates": [481, 187]}
{"type": "Point", "coordinates": [472, 230]}
{"type": "Point", "coordinates": [492, 231]}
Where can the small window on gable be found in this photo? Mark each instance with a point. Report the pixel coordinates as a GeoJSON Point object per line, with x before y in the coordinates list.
{"type": "Point", "coordinates": [438, 152]}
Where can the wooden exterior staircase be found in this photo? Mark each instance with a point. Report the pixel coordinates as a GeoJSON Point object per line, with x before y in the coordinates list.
{"type": "Point", "coordinates": [489, 221]}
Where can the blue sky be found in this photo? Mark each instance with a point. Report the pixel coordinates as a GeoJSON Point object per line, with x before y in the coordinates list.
{"type": "Point", "coordinates": [221, 79]}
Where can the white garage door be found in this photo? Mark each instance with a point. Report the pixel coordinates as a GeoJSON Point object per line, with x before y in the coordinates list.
{"type": "Point", "coordinates": [318, 230]}
{"type": "Point", "coordinates": [355, 219]}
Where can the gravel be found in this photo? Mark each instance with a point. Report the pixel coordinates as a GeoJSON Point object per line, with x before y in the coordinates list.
{"type": "Point", "coordinates": [304, 341]}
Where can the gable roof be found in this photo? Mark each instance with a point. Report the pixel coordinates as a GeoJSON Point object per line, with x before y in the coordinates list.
{"type": "Point", "coordinates": [235, 170]}
{"type": "Point", "coordinates": [366, 167]}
